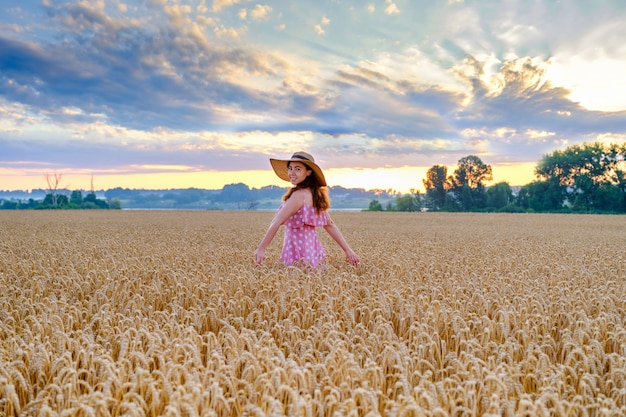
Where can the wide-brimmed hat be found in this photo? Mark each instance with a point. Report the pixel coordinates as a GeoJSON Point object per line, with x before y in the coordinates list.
{"type": "Point", "coordinates": [280, 166]}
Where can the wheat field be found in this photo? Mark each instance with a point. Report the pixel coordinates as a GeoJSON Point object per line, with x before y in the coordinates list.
{"type": "Point", "coordinates": [163, 313]}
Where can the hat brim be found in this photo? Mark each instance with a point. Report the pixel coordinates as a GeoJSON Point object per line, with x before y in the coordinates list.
{"type": "Point", "coordinates": [281, 169]}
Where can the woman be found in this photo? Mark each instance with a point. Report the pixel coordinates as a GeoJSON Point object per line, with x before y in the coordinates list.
{"type": "Point", "coordinates": [305, 207]}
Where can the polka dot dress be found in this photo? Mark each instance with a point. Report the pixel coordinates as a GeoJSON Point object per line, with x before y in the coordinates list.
{"type": "Point", "coordinates": [301, 243]}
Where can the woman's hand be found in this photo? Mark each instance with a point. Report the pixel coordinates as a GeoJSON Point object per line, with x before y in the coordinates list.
{"type": "Point", "coordinates": [259, 256]}
{"type": "Point", "coordinates": [352, 258]}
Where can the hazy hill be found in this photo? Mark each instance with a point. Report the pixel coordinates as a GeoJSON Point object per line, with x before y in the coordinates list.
{"type": "Point", "coordinates": [230, 197]}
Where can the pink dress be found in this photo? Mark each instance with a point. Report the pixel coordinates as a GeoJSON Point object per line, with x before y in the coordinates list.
{"type": "Point", "coordinates": [301, 242]}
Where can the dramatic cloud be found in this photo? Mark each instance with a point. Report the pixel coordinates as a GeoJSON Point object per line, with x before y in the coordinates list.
{"type": "Point", "coordinates": [220, 85]}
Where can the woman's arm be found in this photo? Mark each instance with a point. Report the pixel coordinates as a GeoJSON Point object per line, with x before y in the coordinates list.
{"type": "Point", "coordinates": [335, 233]}
{"type": "Point", "coordinates": [291, 206]}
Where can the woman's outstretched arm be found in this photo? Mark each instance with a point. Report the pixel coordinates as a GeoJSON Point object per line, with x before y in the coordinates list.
{"type": "Point", "coordinates": [334, 232]}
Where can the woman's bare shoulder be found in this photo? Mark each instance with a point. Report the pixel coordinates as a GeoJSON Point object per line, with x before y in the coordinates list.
{"type": "Point", "coordinates": [302, 194]}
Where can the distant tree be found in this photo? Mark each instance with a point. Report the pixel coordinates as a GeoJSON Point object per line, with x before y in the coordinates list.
{"type": "Point", "coordinates": [147, 200]}
{"type": "Point", "coordinates": [122, 193]}
{"type": "Point", "coordinates": [91, 201]}
{"type": "Point", "coordinates": [468, 182]}
{"type": "Point", "coordinates": [54, 183]}
{"type": "Point", "coordinates": [32, 203]}
{"type": "Point", "coordinates": [90, 198]}
{"type": "Point", "coordinates": [408, 202]}
{"type": "Point", "coordinates": [235, 193]}
{"type": "Point", "coordinates": [588, 173]}
{"type": "Point", "coordinates": [271, 192]}
{"type": "Point", "coordinates": [437, 185]}
{"type": "Point", "coordinates": [375, 206]}
{"type": "Point", "coordinates": [541, 196]}
{"type": "Point", "coordinates": [609, 198]}
{"type": "Point", "coordinates": [472, 172]}
{"type": "Point", "coordinates": [189, 196]}
{"type": "Point", "coordinates": [499, 195]}
{"type": "Point", "coordinates": [115, 204]}
{"type": "Point", "coordinates": [53, 200]}
{"type": "Point", "coordinates": [9, 205]}
{"type": "Point", "coordinates": [76, 198]}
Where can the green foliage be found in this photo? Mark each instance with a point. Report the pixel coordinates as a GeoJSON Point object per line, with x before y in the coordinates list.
{"type": "Point", "coordinates": [468, 183]}
{"type": "Point", "coordinates": [588, 178]}
{"type": "Point", "coordinates": [436, 185]}
{"type": "Point", "coordinates": [235, 192]}
{"type": "Point", "coordinates": [591, 176]}
{"type": "Point", "coordinates": [472, 173]}
{"type": "Point", "coordinates": [541, 196]}
{"type": "Point", "coordinates": [76, 198]}
{"type": "Point", "coordinates": [499, 195]}
{"type": "Point", "coordinates": [409, 202]}
{"type": "Point", "coordinates": [56, 201]}
{"type": "Point", "coordinates": [9, 205]}
{"type": "Point", "coordinates": [375, 206]}
{"type": "Point", "coordinates": [115, 204]}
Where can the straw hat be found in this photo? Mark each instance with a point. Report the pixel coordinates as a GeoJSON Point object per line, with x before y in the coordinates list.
{"type": "Point", "coordinates": [280, 166]}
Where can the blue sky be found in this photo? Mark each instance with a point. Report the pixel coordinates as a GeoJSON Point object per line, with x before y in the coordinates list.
{"type": "Point", "coordinates": [157, 93]}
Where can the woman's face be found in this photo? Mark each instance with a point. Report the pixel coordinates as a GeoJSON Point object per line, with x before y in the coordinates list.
{"type": "Point", "coordinates": [297, 172]}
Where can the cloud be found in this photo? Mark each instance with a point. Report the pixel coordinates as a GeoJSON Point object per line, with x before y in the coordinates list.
{"type": "Point", "coordinates": [391, 7]}
{"type": "Point", "coordinates": [168, 84]}
{"type": "Point", "coordinates": [260, 12]}
{"type": "Point", "coordinates": [219, 5]}
{"type": "Point", "coordinates": [319, 27]}
{"type": "Point", "coordinates": [134, 76]}
{"type": "Point", "coordinates": [589, 66]}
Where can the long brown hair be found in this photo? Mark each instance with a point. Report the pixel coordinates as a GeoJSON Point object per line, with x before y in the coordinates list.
{"type": "Point", "coordinates": [321, 200]}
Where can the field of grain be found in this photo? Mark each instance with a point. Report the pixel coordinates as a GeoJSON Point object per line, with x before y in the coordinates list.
{"type": "Point", "coordinates": [132, 313]}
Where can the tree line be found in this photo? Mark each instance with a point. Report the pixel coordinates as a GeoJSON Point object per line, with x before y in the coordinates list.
{"type": "Point", "coordinates": [60, 201]}
{"type": "Point", "coordinates": [587, 178]}
{"type": "Point", "coordinates": [57, 199]}
{"type": "Point", "coordinates": [236, 196]}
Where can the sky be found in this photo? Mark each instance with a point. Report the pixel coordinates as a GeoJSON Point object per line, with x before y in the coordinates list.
{"type": "Point", "coordinates": [163, 94]}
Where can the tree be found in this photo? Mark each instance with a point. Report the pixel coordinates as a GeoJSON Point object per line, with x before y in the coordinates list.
{"type": "Point", "coordinates": [437, 185]}
{"type": "Point", "coordinates": [408, 202]}
{"type": "Point", "coordinates": [541, 196]}
{"type": "Point", "coordinates": [375, 206]}
{"type": "Point", "coordinates": [92, 202]}
{"type": "Point", "coordinates": [499, 195]}
{"type": "Point", "coordinates": [587, 173]}
{"type": "Point", "coordinates": [468, 182]}
{"type": "Point", "coordinates": [115, 204]}
{"type": "Point", "coordinates": [53, 200]}
{"type": "Point", "coordinates": [472, 172]}
{"type": "Point", "coordinates": [235, 193]}
{"type": "Point", "coordinates": [54, 183]}
{"type": "Point", "coordinates": [76, 198]}
{"type": "Point", "coordinates": [190, 195]}
{"type": "Point", "coordinates": [9, 205]}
